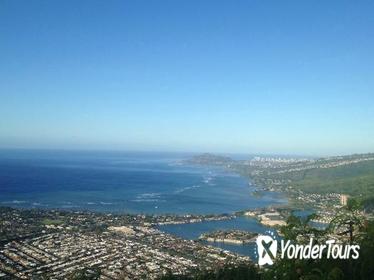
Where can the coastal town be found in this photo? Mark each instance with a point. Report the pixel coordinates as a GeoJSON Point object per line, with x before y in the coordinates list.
{"type": "Point", "coordinates": [315, 184]}
{"type": "Point", "coordinates": [55, 244]}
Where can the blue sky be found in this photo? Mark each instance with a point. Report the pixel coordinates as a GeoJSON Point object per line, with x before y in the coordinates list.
{"type": "Point", "coordinates": [292, 77]}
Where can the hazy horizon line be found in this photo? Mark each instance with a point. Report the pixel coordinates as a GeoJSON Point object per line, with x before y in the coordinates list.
{"type": "Point", "coordinates": [177, 151]}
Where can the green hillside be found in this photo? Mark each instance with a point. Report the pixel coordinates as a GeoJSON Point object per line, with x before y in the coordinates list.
{"type": "Point", "coordinates": [354, 179]}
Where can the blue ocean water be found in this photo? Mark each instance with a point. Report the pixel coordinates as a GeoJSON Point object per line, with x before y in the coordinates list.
{"type": "Point", "coordinates": [122, 182]}
{"type": "Point", "coordinates": [194, 230]}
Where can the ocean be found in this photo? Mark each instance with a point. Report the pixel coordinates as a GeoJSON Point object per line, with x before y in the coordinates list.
{"type": "Point", "coordinates": [122, 182]}
{"type": "Point", "coordinates": [129, 182]}
{"type": "Point", "coordinates": [194, 230]}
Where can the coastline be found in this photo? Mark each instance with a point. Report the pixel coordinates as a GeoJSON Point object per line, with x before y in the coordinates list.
{"type": "Point", "coordinates": [222, 183]}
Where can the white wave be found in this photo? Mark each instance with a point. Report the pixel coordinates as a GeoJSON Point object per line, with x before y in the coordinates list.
{"type": "Point", "coordinates": [38, 204]}
{"type": "Point", "coordinates": [148, 200]}
{"type": "Point", "coordinates": [15, 202]}
{"type": "Point", "coordinates": [148, 195]}
{"type": "Point", "coordinates": [69, 206]}
{"type": "Point", "coordinates": [106, 203]}
{"type": "Point", "coordinates": [208, 179]}
{"type": "Point", "coordinates": [145, 200]}
{"type": "Point", "coordinates": [186, 189]}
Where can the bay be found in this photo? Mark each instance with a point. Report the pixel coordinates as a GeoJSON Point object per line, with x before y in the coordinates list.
{"type": "Point", "coordinates": [123, 182]}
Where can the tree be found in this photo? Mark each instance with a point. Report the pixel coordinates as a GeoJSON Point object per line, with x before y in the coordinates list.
{"type": "Point", "coordinates": [349, 221]}
{"type": "Point", "coordinates": [299, 228]}
{"type": "Point", "coordinates": [86, 274]}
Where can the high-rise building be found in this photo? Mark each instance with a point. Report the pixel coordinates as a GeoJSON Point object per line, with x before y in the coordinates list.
{"type": "Point", "coordinates": [344, 199]}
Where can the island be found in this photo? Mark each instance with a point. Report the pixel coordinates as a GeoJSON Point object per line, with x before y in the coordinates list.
{"type": "Point", "coordinates": [229, 236]}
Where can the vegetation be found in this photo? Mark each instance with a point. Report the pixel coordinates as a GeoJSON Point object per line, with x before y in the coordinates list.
{"type": "Point", "coordinates": [354, 179]}
{"type": "Point", "coordinates": [92, 273]}
{"type": "Point", "coordinates": [298, 229]}
{"type": "Point", "coordinates": [54, 222]}
{"type": "Point", "coordinates": [352, 174]}
{"type": "Point", "coordinates": [228, 272]}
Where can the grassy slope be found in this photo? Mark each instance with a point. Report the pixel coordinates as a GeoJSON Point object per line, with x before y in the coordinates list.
{"type": "Point", "coordinates": [355, 179]}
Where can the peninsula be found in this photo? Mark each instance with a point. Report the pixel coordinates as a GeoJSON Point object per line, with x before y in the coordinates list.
{"type": "Point", "coordinates": [229, 236]}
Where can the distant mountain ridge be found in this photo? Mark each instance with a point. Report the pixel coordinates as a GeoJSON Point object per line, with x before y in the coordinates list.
{"type": "Point", "coordinates": [210, 159]}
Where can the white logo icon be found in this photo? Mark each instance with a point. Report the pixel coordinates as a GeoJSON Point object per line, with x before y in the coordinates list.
{"type": "Point", "coordinates": [266, 249]}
